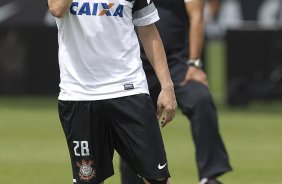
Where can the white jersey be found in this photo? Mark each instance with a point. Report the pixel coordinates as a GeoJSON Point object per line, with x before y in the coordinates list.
{"type": "Point", "coordinates": [99, 55]}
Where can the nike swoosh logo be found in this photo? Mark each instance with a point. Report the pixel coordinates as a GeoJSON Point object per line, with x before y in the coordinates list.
{"type": "Point", "coordinates": [161, 166]}
{"type": "Point", "coordinates": [8, 10]}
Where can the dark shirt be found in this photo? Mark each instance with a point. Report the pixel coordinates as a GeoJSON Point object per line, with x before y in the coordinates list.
{"type": "Point", "coordinates": [173, 29]}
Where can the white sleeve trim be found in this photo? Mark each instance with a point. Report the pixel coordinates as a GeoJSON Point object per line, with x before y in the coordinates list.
{"type": "Point", "coordinates": [186, 1]}
{"type": "Point", "coordinates": [147, 20]}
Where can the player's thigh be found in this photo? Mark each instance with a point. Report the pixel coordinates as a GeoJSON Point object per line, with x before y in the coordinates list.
{"type": "Point", "coordinates": [190, 94]}
{"type": "Point", "coordinates": [137, 136]}
{"type": "Point", "coordinates": [88, 137]}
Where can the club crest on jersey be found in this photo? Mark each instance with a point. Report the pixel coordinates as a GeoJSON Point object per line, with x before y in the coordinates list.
{"type": "Point", "coordinates": [86, 170]}
{"type": "Point", "coordinates": [96, 9]}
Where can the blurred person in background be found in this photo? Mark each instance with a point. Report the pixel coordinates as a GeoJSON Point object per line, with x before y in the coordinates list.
{"type": "Point", "coordinates": [181, 28]}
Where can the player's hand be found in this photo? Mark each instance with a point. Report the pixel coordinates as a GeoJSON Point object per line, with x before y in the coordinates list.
{"type": "Point", "coordinates": [195, 74]}
{"type": "Point", "coordinates": [166, 106]}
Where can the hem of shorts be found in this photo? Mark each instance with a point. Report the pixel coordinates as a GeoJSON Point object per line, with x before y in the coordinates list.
{"type": "Point", "coordinates": [160, 176]}
{"type": "Point", "coordinates": [216, 173]}
{"type": "Point", "coordinates": [66, 97]}
{"type": "Point", "coordinates": [102, 180]}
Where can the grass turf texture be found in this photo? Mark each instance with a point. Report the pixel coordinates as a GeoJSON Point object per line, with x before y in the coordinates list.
{"type": "Point", "coordinates": [33, 148]}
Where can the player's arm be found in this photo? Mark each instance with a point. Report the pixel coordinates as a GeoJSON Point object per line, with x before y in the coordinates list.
{"type": "Point", "coordinates": [195, 11]}
{"type": "Point", "coordinates": [59, 8]}
{"type": "Point", "coordinates": [154, 50]}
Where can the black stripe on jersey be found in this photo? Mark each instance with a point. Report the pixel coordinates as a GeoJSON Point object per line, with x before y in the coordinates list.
{"type": "Point", "coordinates": [140, 4]}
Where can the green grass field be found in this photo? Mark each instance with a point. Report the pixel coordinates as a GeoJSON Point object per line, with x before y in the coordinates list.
{"type": "Point", "coordinates": [33, 148]}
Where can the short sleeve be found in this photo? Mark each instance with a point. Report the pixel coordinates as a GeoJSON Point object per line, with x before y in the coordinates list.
{"type": "Point", "coordinates": [186, 1]}
{"type": "Point", "coordinates": [144, 13]}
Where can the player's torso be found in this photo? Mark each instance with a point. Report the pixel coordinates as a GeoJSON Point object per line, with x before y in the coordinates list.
{"type": "Point", "coordinates": [102, 26]}
{"type": "Point", "coordinates": [99, 51]}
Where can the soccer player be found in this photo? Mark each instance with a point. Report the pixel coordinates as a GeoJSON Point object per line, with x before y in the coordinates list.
{"type": "Point", "coordinates": [181, 29]}
{"type": "Point", "coordinates": [103, 101]}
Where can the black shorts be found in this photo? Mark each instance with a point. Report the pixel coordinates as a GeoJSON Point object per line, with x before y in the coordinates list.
{"type": "Point", "coordinates": [129, 125]}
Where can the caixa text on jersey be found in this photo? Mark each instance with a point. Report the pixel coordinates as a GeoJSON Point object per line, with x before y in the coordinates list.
{"type": "Point", "coordinates": [96, 9]}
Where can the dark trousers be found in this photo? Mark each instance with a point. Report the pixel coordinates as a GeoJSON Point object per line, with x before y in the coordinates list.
{"type": "Point", "coordinates": [196, 103]}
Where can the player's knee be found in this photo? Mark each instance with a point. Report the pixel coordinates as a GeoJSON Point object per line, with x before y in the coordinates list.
{"type": "Point", "coordinates": [157, 181]}
{"type": "Point", "coordinates": [202, 96]}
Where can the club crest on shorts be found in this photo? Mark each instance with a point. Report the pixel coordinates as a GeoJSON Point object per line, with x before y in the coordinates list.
{"type": "Point", "coordinates": [86, 170]}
